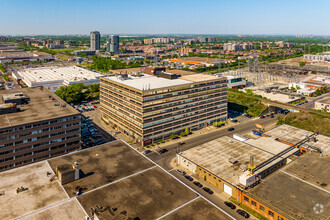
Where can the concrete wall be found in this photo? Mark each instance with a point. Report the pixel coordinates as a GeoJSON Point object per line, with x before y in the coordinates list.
{"type": "Point", "coordinates": [186, 163]}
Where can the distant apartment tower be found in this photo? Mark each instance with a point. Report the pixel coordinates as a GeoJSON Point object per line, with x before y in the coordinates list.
{"type": "Point", "coordinates": [232, 47]}
{"type": "Point", "coordinates": [247, 46]}
{"type": "Point", "coordinates": [35, 125]}
{"type": "Point", "coordinates": [114, 44]}
{"type": "Point", "coordinates": [150, 108]}
{"type": "Point", "coordinates": [95, 40]}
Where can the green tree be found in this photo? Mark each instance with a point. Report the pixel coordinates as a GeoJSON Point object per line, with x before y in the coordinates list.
{"type": "Point", "coordinates": [72, 93]}
{"type": "Point", "coordinates": [187, 131]}
{"type": "Point", "coordinates": [302, 63]}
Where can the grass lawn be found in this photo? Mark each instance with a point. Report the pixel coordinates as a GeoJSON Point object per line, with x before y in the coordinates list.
{"type": "Point", "coordinates": [307, 120]}
{"type": "Point", "coordinates": [248, 209]}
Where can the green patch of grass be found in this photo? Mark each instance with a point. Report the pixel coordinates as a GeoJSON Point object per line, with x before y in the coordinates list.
{"type": "Point", "coordinates": [248, 209]}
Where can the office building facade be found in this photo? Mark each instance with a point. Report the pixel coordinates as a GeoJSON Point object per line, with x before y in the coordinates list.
{"type": "Point", "coordinates": [95, 40]}
{"type": "Point", "coordinates": [149, 108]}
{"type": "Point", "coordinates": [114, 44]}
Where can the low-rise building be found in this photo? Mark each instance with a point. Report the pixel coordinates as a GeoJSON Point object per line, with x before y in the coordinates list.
{"type": "Point", "coordinates": [55, 77]}
{"type": "Point", "coordinates": [317, 57]}
{"type": "Point", "coordinates": [35, 125]}
{"type": "Point", "coordinates": [24, 56]}
{"type": "Point", "coordinates": [236, 82]}
{"type": "Point", "coordinates": [298, 185]}
{"type": "Point", "coordinates": [323, 104]}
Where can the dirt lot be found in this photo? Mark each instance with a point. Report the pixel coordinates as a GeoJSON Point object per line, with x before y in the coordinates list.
{"type": "Point", "coordinates": [102, 164]}
{"type": "Point", "coordinates": [297, 60]}
{"type": "Point", "coordinates": [148, 195]}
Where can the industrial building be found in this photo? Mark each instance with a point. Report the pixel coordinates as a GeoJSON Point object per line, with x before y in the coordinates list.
{"type": "Point", "coordinates": [236, 82]}
{"type": "Point", "coordinates": [55, 77]}
{"type": "Point", "coordinates": [323, 104]}
{"type": "Point", "coordinates": [20, 56]}
{"type": "Point", "coordinates": [241, 168]}
{"type": "Point", "coordinates": [88, 185]}
{"type": "Point", "coordinates": [35, 125]}
{"type": "Point", "coordinates": [95, 40]}
{"type": "Point", "coordinates": [317, 57]}
{"type": "Point", "coordinates": [150, 108]}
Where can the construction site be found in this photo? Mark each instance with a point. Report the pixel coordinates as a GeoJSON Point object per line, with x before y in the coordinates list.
{"type": "Point", "coordinates": [253, 170]}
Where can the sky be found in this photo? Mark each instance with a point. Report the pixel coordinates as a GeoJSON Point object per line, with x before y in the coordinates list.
{"type": "Point", "coordinates": [259, 17]}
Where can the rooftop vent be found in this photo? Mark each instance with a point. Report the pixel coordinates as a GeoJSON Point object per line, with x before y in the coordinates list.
{"type": "Point", "coordinates": [56, 104]}
{"type": "Point", "coordinates": [232, 160]}
{"type": "Point", "coordinates": [63, 105]}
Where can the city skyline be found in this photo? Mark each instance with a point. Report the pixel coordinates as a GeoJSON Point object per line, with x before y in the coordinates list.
{"type": "Point", "coordinates": [175, 17]}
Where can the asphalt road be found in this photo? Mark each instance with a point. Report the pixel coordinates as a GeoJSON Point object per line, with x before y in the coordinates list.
{"type": "Point", "coordinates": [312, 100]}
{"type": "Point", "coordinates": [165, 159]}
{"type": "Point", "coordinates": [244, 127]}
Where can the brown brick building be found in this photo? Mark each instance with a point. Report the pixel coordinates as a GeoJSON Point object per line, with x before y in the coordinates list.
{"type": "Point", "coordinates": [43, 126]}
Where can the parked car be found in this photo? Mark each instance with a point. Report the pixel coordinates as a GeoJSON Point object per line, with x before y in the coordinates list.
{"type": "Point", "coordinates": [230, 205]}
{"type": "Point", "coordinates": [261, 117]}
{"type": "Point", "coordinates": [231, 129]}
{"type": "Point", "coordinates": [198, 184]}
{"type": "Point", "coordinates": [207, 190]}
{"type": "Point", "coordinates": [189, 178]}
{"type": "Point", "coordinates": [243, 213]}
{"type": "Point", "coordinates": [164, 150]}
{"type": "Point", "coordinates": [181, 172]}
{"type": "Point", "coordinates": [233, 120]}
{"type": "Point", "coordinates": [272, 116]}
{"type": "Point", "coordinates": [147, 152]}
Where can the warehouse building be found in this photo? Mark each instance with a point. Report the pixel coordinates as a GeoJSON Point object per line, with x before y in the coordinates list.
{"type": "Point", "coordinates": [323, 104]}
{"type": "Point", "coordinates": [236, 82]}
{"type": "Point", "coordinates": [54, 77]}
{"type": "Point", "coordinates": [298, 185]}
{"type": "Point", "coordinates": [150, 108]}
{"type": "Point", "coordinates": [35, 125]}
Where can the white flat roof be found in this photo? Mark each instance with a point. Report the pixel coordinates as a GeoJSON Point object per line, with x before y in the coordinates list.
{"type": "Point", "coordinates": [147, 82]}
{"type": "Point", "coordinates": [69, 73]}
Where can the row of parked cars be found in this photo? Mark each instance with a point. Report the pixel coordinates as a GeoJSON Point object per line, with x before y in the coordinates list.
{"type": "Point", "coordinates": [86, 106]}
{"type": "Point", "coordinates": [239, 211]}
{"type": "Point", "coordinates": [301, 103]}
{"type": "Point", "coordinates": [208, 190]}
{"type": "Point", "coordinates": [89, 134]}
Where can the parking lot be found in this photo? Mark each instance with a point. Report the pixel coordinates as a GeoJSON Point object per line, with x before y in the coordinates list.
{"type": "Point", "coordinates": [91, 133]}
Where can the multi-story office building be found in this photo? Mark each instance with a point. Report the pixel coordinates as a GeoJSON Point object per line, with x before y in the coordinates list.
{"type": "Point", "coordinates": [35, 125]}
{"type": "Point", "coordinates": [95, 40]}
{"type": "Point", "coordinates": [150, 108]}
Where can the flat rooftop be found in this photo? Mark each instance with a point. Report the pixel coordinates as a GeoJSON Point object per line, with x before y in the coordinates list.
{"type": "Point", "coordinates": [293, 135]}
{"type": "Point", "coordinates": [117, 178]}
{"type": "Point", "coordinates": [297, 188]}
{"type": "Point", "coordinates": [40, 191]}
{"type": "Point", "coordinates": [101, 165]}
{"type": "Point", "coordinates": [214, 156]}
{"type": "Point", "coordinates": [148, 195]}
{"type": "Point", "coordinates": [198, 209]}
{"type": "Point", "coordinates": [325, 100]}
{"type": "Point", "coordinates": [199, 77]}
{"type": "Point", "coordinates": [68, 73]}
{"type": "Point", "coordinates": [40, 107]}
{"type": "Point", "coordinates": [147, 82]}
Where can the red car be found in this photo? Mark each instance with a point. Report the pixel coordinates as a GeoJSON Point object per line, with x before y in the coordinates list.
{"type": "Point", "coordinates": [262, 116]}
{"type": "Point", "coordinates": [94, 106]}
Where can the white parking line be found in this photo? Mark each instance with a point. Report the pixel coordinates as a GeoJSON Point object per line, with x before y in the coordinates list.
{"type": "Point", "coordinates": [181, 182]}
{"type": "Point", "coordinates": [178, 208]}
{"type": "Point", "coordinates": [154, 151]}
{"type": "Point", "coordinates": [305, 181]}
{"type": "Point", "coordinates": [74, 197]}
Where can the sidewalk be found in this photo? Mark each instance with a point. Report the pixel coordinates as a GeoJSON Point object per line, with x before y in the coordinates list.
{"type": "Point", "coordinates": [193, 134]}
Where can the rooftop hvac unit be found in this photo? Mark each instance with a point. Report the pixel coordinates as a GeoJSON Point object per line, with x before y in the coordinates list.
{"type": "Point", "coordinates": [56, 104]}
{"type": "Point", "coordinates": [63, 105]}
